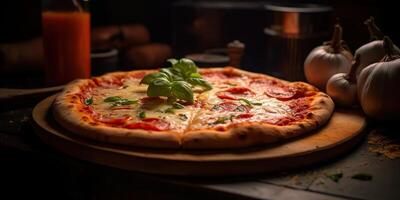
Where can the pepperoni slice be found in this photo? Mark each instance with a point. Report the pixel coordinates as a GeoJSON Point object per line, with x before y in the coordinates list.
{"type": "Point", "coordinates": [116, 121]}
{"type": "Point", "coordinates": [234, 93]}
{"type": "Point", "coordinates": [245, 116]}
{"type": "Point", "coordinates": [226, 106]}
{"type": "Point", "coordinates": [239, 90]}
{"type": "Point", "coordinates": [225, 95]}
{"type": "Point", "coordinates": [281, 93]}
{"type": "Point", "coordinates": [153, 124]}
{"type": "Point", "coordinates": [274, 89]}
{"type": "Point", "coordinates": [300, 105]}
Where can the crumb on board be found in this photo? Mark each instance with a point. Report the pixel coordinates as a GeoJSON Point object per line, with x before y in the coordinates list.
{"type": "Point", "coordinates": [295, 180]}
{"type": "Point", "coordinates": [384, 145]}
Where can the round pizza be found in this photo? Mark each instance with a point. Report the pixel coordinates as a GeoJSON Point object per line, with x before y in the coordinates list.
{"type": "Point", "coordinates": [185, 107]}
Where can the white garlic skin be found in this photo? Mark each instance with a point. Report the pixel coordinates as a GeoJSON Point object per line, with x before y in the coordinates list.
{"type": "Point", "coordinates": [379, 90]}
{"type": "Point", "coordinates": [320, 65]}
{"type": "Point", "coordinates": [341, 90]}
{"type": "Point", "coordinates": [370, 53]}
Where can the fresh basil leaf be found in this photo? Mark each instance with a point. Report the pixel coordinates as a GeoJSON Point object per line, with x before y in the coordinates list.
{"type": "Point", "coordinates": [190, 65]}
{"type": "Point", "coordinates": [195, 75]}
{"type": "Point", "coordinates": [246, 102]}
{"type": "Point", "coordinates": [150, 78]}
{"type": "Point", "coordinates": [175, 82]}
{"type": "Point", "coordinates": [159, 87]}
{"type": "Point", "coordinates": [167, 73]}
{"type": "Point", "coordinates": [182, 90]}
{"type": "Point", "coordinates": [173, 61]}
{"type": "Point", "coordinates": [112, 99]}
{"type": "Point", "coordinates": [117, 101]}
{"type": "Point", "coordinates": [177, 105]}
{"type": "Point", "coordinates": [200, 82]}
{"type": "Point", "coordinates": [142, 115]}
{"type": "Point", "coordinates": [185, 67]}
{"type": "Point", "coordinates": [89, 101]}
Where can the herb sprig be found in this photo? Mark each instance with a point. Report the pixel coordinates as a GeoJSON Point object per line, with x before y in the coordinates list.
{"type": "Point", "coordinates": [249, 103]}
{"type": "Point", "coordinates": [118, 101]}
{"type": "Point", "coordinates": [175, 82]}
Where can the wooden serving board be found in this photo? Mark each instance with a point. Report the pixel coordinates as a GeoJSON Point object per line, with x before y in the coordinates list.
{"type": "Point", "coordinates": [341, 134]}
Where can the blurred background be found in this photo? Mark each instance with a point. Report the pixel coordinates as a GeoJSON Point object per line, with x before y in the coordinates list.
{"type": "Point", "coordinates": [128, 35]}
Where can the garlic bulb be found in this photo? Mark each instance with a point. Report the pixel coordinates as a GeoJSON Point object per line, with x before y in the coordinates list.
{"type": "Point", "coordinates": [342, 87]}
{"type": "Point", "coordinates": [373, 51]}
{"type": "Point", "coordinates": [326, 60]}
{"type": "Point", "coordinates": [378, 86]}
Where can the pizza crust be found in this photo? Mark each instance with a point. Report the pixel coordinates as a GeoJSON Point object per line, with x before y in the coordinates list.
{"type": "Point", "coordinates": [66, 110]}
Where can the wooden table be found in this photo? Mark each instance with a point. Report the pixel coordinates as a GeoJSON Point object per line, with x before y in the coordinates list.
{"type": "Point", "coordinates": [37, 170]}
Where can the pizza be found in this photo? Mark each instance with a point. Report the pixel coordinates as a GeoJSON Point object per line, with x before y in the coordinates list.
{"type": "Point", "coordinates": [214, 108]}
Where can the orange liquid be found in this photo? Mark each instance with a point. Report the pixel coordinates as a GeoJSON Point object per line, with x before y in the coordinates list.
{"type": "Point", "coordinates": [66, 39]}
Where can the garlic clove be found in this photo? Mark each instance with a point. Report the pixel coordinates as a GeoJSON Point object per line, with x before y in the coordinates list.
{"type": "Point", "coordinates": [327, 60]}
{"type": "Point", "coordinates": [342, 86]}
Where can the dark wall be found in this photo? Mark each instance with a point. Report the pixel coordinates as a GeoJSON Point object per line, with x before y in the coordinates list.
{"type": "Point", "coordinates": [20, 19]}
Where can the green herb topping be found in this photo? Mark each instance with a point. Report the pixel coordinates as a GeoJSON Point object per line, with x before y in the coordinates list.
{"type": "Point", "coordinates": [118, 101]}
{"type": "Point", "coordinates": [335, 176]}
{"type": "Point", "coordinates": [249, 103]}
{"type": "Point", "coordinates": [142, 115]}
{"type": "Point", "coordinates": [89, 101]}
{"type": "Point", "coordinates": [222, 120]}
{"type": "Point", "coordinates": [175, 82]}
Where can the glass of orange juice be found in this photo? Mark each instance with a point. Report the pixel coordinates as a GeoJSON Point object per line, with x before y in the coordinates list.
{"type": "Point", "coordinates": [66, 40]}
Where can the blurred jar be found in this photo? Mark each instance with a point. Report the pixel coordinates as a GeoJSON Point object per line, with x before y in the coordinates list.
{"type": "Point", "coordinates": [292, 31]}
{"type": "Point", "coordinates": [66, 40]}
{"type": "Point", "coordinates": [104, 61]}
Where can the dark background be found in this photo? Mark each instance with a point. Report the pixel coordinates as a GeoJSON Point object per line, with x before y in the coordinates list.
{"type": "Point", "coordinates": [21, 19]}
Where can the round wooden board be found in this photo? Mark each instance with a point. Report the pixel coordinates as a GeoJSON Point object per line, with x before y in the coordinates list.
{"type": "Point", "coordinates": [339, 135]}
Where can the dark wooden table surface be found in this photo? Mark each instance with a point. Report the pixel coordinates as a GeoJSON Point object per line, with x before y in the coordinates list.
{"type": "Point", "coordinates": [29, 168]}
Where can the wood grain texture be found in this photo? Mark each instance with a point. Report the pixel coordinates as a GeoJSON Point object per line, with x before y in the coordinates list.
{"type": "Point", "coordinates": [342, 132]}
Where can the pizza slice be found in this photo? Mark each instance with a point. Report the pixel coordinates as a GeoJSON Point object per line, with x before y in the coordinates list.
{"type": "Point", "coordinates": [244, 109]}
